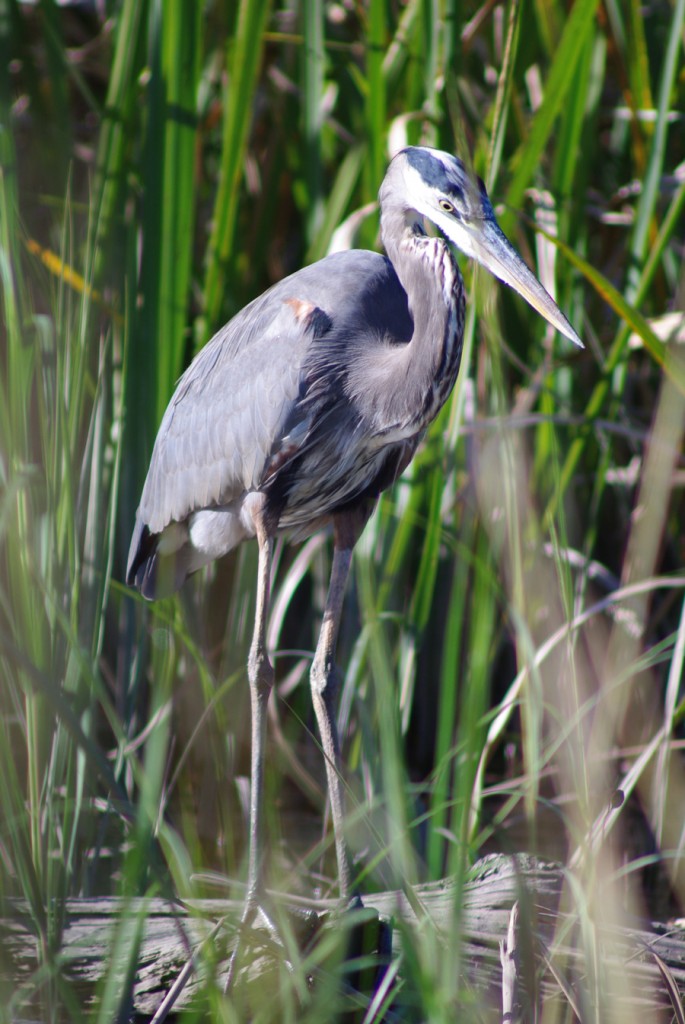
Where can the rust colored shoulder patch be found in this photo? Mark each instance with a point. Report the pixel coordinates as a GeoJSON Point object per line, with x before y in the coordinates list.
{"type": "Point", "coordinates": [311, 317]}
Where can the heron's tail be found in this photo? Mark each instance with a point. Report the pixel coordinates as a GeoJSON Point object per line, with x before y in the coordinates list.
{"type": "Point", "coordinates": [155, 572]}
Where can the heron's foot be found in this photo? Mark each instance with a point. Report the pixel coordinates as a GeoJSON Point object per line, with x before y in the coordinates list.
{"type": "Point", "coordinates": [265, 939]}
{"type": "Point", "coordinates": [350, 942]}
{"type": "Point", "coordinates": [352, 903]}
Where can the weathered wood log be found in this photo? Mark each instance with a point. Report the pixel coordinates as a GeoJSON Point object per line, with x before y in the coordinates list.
{"type": "Point", "coordinates": [98, 931]}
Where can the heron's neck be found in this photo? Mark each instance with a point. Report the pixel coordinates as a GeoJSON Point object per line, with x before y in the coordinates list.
{"type": "Point", "coordinates": [430, 276]}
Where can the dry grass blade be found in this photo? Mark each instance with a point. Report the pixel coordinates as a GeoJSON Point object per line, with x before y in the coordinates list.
{"type": "Point", "coordinates": [563, 984]}
{"type": "Point", "coordinates": [671, 988]}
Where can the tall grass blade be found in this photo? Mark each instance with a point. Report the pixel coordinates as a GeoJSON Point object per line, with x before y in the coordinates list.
{"type": "Point", "coordinates": [169, 169]}
{"type": "Point", "coordinates": [243, 59]}
{"type": "Point", "coordinates": [557, 85]}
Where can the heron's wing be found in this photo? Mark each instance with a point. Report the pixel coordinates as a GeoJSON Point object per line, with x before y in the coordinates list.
{"type": "Point", "coordinates": [225, 415]}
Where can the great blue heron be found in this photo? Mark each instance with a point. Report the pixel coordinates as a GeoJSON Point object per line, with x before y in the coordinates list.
{"type": "Point", "coordinates": [308, 404]}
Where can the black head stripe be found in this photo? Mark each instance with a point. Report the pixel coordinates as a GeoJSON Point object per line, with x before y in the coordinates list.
{"type": "Point", "coordinates": [435, 173]}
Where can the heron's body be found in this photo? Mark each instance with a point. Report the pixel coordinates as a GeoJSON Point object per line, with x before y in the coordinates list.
{"type": "Point", "coordinates": [309, 403]}
{"type": "Point", "coordinates": [303, 397]}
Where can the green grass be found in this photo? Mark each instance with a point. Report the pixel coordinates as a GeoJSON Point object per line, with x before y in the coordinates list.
{"type": "Point", "coordinates": [158, 171]}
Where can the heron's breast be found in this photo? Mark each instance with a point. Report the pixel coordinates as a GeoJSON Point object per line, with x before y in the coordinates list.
{"type": "Point", "coordinates": [327, 477]}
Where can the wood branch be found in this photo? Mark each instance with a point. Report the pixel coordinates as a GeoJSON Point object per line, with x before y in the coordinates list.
{"type": "Point", "coordinates": [96, 931]}
{"type": "Point", "coordinates": [508, 955]}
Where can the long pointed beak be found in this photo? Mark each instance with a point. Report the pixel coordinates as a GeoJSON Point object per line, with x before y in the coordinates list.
{"type": "Point", "coordinates": [492, 248]}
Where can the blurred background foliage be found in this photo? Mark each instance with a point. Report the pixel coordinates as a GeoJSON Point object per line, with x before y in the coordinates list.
{"type": "Point", "coordinates": [513, 635]}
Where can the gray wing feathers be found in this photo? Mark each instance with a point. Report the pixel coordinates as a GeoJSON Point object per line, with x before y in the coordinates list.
{"type": "Point", "coordinates": [221, 424]}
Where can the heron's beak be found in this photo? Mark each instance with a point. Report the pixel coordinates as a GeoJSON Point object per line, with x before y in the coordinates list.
{"type": "Point", "coordinates": [491, 247]}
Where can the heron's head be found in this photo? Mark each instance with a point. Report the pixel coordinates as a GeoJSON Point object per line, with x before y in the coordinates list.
{"type": "Point", "coordinates": [432, 185]}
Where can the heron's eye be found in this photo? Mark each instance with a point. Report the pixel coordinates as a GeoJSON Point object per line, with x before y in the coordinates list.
{"type": "Point", "coordinates": [446, 206]}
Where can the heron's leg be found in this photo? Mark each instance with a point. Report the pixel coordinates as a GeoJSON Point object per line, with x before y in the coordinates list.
{"type": "Point", "coordinates": [261, 676]}
{"type": "Point", "coordinates": [324, 685]}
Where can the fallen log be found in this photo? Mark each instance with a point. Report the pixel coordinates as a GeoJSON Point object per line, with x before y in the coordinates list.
{"type": "Point", "coordinates": [168, 935]}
